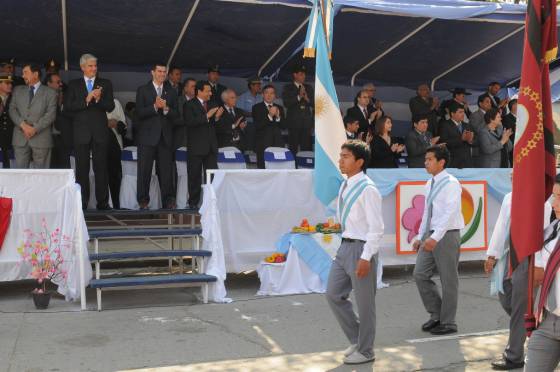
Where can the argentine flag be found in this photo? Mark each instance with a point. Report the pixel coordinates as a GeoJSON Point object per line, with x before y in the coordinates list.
{"type": "Point", "coordinates": [329, 127]}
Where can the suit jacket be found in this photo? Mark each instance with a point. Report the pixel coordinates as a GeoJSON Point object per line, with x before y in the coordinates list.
{"type": "Point", "coordinates": [509, 122]}
{"type": "Point", "coordinates": [40, 113]}
{"type": "Point", "coordinates": [492, 153]}
{"type": "Point", "coordinates": [419, 106]}
{"type": "Point", "coordinates": [224, 127]}
{"type": "Point", "coordinates": [150, 124]}
{"type": "Point", "coordinates": [201, 134]}
{"type": "Point", "coordinates": [461, 155]}
{"type": "Point", "coordinates": [416, 146]}
{"type": "Point", "coordinates": [180, 130]}
{"type": "Point", "coordinates": [267, 131]}
{"type": "Point", "coordinates": [217, 91]}
{"type": "Point", "coordinates": [90, 121]}
{"type": "Point", "coordinates": [6, 125]}
{"type": "Point", "coordinates": [63, 123]}
{"type": "Point", "coordinates": [477, 121]}
{"type": "Point", "coordinates": [299, 113]}
{"type": "Point", "coordinates": [381, 154]}
{"type": "Point", "coordinates": [356, 113]}
{"type": "Point", "coordinates": [178, 89]}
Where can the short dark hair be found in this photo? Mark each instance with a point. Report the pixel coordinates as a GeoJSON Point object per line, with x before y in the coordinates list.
{"type": "Point", "coordinates": [491, 115]}
{"type": "Point", "coordinates": [454, 106]}
{"type": "Point", "coordinates": [494, 83]}
{"type": "Point", "coordinates": [49, 76]}
{"type": "Point", "coordinates": [511, 103]}
{"type": "Point", "coordinates": [189, 79]}
{"type": "Point", "coordinates": [173, 68]}
{"type": "Point", "coordinates": [419, 117]}
{"type": "Point", "coordinates": [200, 86]}
{"type": "Point", "coordinates": [359, 149]}
{"type": "Point", "coordinates": [34, 68]}
{"type": "Point", "coordinates": [349, 120]}
{"type": "Point", "coordinates": [155, 65]}
{"type": "Point", "coordinates": [268, 86]}
{"type": "Point", "coordinates": [482, 98]}
{"type": "Point", "coordinates": [440, 153]}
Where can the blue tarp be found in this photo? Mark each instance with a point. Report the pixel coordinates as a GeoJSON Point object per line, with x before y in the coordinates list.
{"type": "Point", "coordinates": [246, 36]}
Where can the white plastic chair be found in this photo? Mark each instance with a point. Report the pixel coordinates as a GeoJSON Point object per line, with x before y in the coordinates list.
{"type": "Point", "coordinates": [305, 160]}
{"type": "Point", "coordinates": [231, 158]}
{"type": "Point", "coordinates": [129, 162]}
{"type": "Point", "coordinates": [278, 158]}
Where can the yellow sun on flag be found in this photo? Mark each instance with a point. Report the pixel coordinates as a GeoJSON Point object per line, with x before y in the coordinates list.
{"type": "Point", "coordinates": [320, 105]}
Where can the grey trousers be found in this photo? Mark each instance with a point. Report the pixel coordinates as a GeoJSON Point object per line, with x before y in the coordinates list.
{"type": "Point", "coordinates": [514, 302]}
{"type": "Point", "coordinates": [543, 351]}
{"type": "Point", "coordinates": [342, 280]}
{"type": "Point", "coordinates": [444, 258]}
{"type": "Point", "coordinates": [25, 154]}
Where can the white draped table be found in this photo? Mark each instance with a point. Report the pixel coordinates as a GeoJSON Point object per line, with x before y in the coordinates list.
{"type": "Point", "coordinates": [54, 196]}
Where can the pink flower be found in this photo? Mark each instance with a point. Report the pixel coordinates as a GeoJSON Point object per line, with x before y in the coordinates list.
{"type": "Point", "coordinates": [412, 217]}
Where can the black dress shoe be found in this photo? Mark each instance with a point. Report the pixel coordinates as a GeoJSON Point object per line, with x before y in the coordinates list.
{"type": "Point", "coordinates": [505, 365]}
{"type": "Point", "coordinates": [426, 327]}
{"type": "Point", "coordinates": [443, 330]}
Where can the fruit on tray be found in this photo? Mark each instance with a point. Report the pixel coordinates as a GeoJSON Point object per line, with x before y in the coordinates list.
{"type": "Point", "coordinates": [276, 258]}
{"type": "Point", "coordinates": [329, 227]}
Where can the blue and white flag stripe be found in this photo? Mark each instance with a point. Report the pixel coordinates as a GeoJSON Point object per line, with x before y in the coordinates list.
{"type": "Point", "coordinates": [311, 37]}
{"type": "Point", "coordinates": [329, 127]}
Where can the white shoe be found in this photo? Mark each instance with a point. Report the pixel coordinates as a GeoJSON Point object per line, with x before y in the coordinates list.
{"type": "Point", "coordinates": [357, 358]}
{"type": "Point", "coordinates": [350, 349]}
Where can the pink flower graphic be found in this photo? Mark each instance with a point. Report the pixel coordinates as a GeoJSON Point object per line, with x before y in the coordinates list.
{"type": "Point", "coordinates": [412, 217]}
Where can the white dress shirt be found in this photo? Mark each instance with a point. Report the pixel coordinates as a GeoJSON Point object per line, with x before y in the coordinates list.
{"type": "Point", "coordinates": [365, 220]}
{"type": "Point", "coordinates": [446, 208]}
{"type": "Point", "coordinates": [541, 260]}
{"type": "Point", "coordinates": [500, 233]}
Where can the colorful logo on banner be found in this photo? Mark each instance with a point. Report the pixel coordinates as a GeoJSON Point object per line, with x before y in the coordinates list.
{"type": "Point", "coordinates": [410, 208]}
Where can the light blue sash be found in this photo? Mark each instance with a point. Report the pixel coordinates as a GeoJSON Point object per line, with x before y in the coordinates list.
{"type": "Point", "coordinates": [353, 195]}
{"type": "Point", "coordinates": [499, 272]}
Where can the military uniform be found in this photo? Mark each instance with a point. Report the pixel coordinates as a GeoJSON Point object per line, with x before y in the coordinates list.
{"type": "Point", "coordinates": [6, 125]}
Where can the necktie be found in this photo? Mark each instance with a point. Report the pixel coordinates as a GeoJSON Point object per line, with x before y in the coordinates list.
{"type": "Point", "coordinates": [460, 127]}
{"type": "Point", "coordinates": [426, 140]}
{"type": "Point", "coordinates": [232, 113]}
{"type": "Point", "coordinates": [31, 94]}
{"type": "Point", "coordinates": [89, 85]}
{"type": "Point", "coordinates": [205, 104]}
{"type": "Point", "coordinates": [430, 211]}
{"type": "Point", "coordinates": [365, 113]}
{"type": "Point", "coordinates": [158, 91]}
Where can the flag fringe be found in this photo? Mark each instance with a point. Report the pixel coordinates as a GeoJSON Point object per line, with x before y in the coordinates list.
{"type": "Point", "coordinates": [550, 55]}
{"type": "Point", "coordinates": [309, 53]}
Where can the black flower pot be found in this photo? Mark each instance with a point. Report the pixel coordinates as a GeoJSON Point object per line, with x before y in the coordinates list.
{"type": "Point", "coordinates": [41, 300]}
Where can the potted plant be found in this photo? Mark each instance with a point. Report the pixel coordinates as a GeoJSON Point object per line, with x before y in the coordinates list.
{"type": "Point", "coordinates": [43, 251]}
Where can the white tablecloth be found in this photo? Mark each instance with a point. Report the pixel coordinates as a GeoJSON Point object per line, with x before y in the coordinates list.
{"type": "Point", "coordinates": [54, 196]}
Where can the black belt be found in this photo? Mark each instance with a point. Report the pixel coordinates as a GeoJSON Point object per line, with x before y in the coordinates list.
{"type": "Point", "coordinates": [348, 240]}
{"type": "Point", "coordinates": [454, 230]}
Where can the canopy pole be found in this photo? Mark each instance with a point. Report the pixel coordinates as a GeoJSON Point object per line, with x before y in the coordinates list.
{"type": "Point", "coordinates": [282, 46]}
{"type": "Point", "coordinates": [474, 56]}
{"type": "Point", "coordinates": [182, 33]}
{"type": "Point", "coordinates": [64, 34]}
{"type": "Point", "coordinates": [396, 45]}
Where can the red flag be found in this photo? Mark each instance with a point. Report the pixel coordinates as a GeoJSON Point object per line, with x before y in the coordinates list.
{"type": "Point", "coordinates": [534, 163]}
{"type": "Point", "coordinates": [5, 217]}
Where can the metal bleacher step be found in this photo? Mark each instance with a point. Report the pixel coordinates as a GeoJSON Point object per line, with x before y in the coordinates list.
{"type": "Point", "coordinates": [143, 232]}
{"type": "Point", "coordinates": [138, 212]}
{"type": "Point", "coordinates": [151, 280]}
{"type": "Point", "coordinates": [148, 254]}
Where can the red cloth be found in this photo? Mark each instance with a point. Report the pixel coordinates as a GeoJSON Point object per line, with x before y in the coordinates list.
{"type": "Point", "coordinates": [534, 164]}
{"type": "Point", "coordinates": [5, 217]}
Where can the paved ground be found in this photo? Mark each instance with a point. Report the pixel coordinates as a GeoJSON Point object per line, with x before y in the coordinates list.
{"type": "Point", "coordinates": [168, 330]}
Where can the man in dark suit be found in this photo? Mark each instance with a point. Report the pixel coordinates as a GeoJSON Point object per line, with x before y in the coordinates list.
{"type": "Point", "coordinates": [458, 136]}
{"type": "Point", "coordinates": [6, 124]}
{"type": "Point", "coordinates": [173, 81]}
{"type": "Point", "coordinates": [510, 122]}
{"type": "Point", "coordinates": [156, 114]}
{"type": "Point", "coordinates": [62, 129]}
{"type": "Point", "coordinates": [423, 104]}
{"type": "Point", "coordinates": [361, 112]}
{"type": "Point", "coordinates": [418, 140]}
{"type": "Point", "coordinates": [268, 118]}
{"type": "Point", "coordinates": [298, 98]}
{"type": "Point", "coordinates": [202, 146]}
{"type": "Point", "coordinates": [88, 99]}
{"type": "Point", "coordinates": [217, 88]}
{"type": "Point", "coordinates": [231, 125]}
{"type": "Point", "coordinates": [351, 125]}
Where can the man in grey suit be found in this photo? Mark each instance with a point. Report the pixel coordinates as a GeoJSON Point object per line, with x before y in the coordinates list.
{"type": "Point", "coordinates": [418, 140]}
{"type": "Point", "coordinates": [478, 123]}
{"type": "Point", "coordinates": [33, 111]}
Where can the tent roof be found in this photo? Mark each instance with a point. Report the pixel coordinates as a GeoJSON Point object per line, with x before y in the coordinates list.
{"type": "Point", "coordinates": [390, 42]}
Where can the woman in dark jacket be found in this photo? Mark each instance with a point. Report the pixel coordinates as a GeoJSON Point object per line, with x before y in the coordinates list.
{"type": "Point", "coordinates": [384, 149]}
